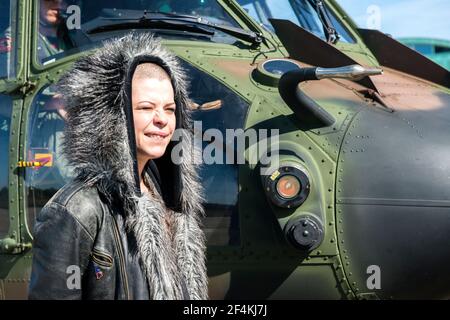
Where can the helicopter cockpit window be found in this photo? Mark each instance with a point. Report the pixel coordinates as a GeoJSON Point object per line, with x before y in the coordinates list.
{"type": "Point", "coordinates": [70, 26]}
{"type": "Point", "coordinates": [5, 125]}
{"type": "Point", "coordinates": [219, 178]}
{"type": "Point", "coordinates": [300, 12]}
{"type": "Point", "coordinates": [7, 36]}
{"type": "Point", "coordinates": [45, 136]}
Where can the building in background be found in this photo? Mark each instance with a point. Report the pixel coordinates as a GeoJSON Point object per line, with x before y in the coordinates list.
{"type": "Point", "coordinates": [435, 49]}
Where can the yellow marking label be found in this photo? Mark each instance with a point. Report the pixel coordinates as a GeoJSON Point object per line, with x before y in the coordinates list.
{"type": "Point", "coordinates": [45, 159]}
{"type": "Point", "coordinates": [275, 175]}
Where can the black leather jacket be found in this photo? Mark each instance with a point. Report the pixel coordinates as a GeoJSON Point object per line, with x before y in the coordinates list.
{"type": "Point", "coordinates": [77, 230]}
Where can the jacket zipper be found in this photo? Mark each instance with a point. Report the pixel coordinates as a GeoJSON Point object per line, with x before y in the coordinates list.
{"type": "Point", "coordinates": [101, 258]}
{"type": "Point", "coordinates": [122, 259]}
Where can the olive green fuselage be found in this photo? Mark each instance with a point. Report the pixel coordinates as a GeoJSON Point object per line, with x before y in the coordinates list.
{"type": "Point", "coordinates": [379, 175]}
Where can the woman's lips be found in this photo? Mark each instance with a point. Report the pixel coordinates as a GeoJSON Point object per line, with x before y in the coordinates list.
{"type": "Point", "coordinates": [156, 135]}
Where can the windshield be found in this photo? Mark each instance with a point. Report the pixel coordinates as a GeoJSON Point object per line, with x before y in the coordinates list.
{"type": "Point", "coordinates": [7, 37]}
{"type": "Point", "coordinates": [5, 126]}
{"type": "Point", "coordinates": [300, 12]}
{"type": "Point", "coordinates": [66, 26]}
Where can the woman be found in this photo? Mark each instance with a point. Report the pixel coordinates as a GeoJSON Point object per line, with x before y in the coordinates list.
{"type": "Point", "coordinates": [129, 223]}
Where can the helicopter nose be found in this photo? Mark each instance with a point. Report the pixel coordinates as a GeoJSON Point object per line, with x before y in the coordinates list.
{"type": "Point", "coordinates": [393, 201]}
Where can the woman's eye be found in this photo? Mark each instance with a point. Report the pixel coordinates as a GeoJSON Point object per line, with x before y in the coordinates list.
{"type": "Point", "coordinates": [145, 107]}
{"type": "Point", "coordinates": [170, 109]}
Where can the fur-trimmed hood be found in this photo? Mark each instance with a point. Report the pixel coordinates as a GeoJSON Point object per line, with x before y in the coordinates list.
{"type": "Point", "coordinates": [100, 145]}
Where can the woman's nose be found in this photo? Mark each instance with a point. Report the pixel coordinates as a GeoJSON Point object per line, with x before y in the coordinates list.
{"type": "Point", "coordinates": [160, 118]}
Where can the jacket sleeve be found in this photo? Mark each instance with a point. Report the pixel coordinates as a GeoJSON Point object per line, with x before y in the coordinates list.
{"type": "Point", "coordinates": [61, 253]}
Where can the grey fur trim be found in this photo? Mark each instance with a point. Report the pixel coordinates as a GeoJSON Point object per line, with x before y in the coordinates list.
{"type": "Point", "coordinates": [97, 147]}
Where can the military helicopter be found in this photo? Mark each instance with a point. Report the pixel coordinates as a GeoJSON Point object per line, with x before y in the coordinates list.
{"type": "Point", "coordinates": [357, 205]}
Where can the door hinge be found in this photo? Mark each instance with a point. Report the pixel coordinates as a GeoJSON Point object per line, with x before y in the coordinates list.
{"type": "Point", "coordinates": [9, 245]}
{"type": "Point", "coordinates": [27, 87]}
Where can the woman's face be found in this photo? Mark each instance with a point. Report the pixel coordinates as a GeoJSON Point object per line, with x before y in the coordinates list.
{"type": "Point", "coordinates": [49, 10]}
{"type": "Point", "coordinates": [154, 115]}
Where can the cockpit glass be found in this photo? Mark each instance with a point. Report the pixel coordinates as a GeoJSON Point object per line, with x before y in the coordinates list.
{"type": "Point", "coordinates": [7, 38]}
{"type": "Point", "coordinates": [70, 26]}
{"type": "Point", "coordinates": [301, 12]}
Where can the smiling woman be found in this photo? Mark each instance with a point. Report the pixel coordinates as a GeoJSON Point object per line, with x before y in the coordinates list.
{"type": "Point", "coordinates": [153, 114]}
{"type": "Point", "coordinates": [127, 243]}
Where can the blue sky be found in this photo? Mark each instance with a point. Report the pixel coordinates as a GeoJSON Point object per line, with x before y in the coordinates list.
{"type": "Point", "coordinates": [402, 18]}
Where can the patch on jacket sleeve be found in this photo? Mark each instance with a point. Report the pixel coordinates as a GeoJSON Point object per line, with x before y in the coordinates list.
{"type": "Point", "coordinates": [98, 272]}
